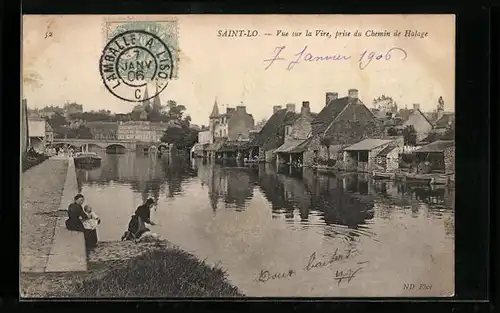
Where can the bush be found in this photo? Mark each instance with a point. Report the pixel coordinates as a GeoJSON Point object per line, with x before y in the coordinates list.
{"type": "Point", "coordinates": [329, 162]}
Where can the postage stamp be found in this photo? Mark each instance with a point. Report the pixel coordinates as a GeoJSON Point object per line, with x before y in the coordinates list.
{"type": "Point", "coordinates": [133, 59]}
{"type": "Point", "coordinates": [167, 30]}
{"type": "Point", "coordinates": [138, 55]}
{"type": "Point", "coordinates": [288, 156]}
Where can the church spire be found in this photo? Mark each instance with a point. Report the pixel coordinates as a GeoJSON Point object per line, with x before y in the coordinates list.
{"type": "Point", "coordinates": [157, 101]}
{"type": "Point", "coordinates": [145, 100]}
{"type": "Point", "coordinates": [215, 110]}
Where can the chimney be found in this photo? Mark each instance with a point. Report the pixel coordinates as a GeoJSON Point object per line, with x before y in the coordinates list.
{"type": "Point", "coordinates": [305, 108]}
{"type": "Point", "coordinates": [230, 110]}
{"type": "Point", "coordinates": [290, 107]}
{"type": "Point", "coordinates": [241, 108]}
{"type": "Point", "coordinates": [416, 106]}
{"type": "Point", "coordinates": [276, 108]}
{"type": "Point", "coordinates": [331, 96]}
{"type": "Point", "coordinates": [353, 94]}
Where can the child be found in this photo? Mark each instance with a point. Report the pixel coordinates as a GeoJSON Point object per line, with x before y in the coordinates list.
{"type": "Point", "coordinates": [92, 219]}
{"type": "Point", "coordinates": [90, 225]}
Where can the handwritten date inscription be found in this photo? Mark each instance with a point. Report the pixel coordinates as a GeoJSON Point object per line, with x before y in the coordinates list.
{"type": "Point", "coordinates": [305, 56]}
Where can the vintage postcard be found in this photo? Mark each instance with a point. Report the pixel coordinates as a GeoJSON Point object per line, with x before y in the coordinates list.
{"type": "Point", "coordinates": [237, 156]}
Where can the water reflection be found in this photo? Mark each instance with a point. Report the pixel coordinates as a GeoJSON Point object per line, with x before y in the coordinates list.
{"type": "Point", "coordinates": [346, 200]}
{"type": "Point", "coordinates": [232, 184]}
{"type": "Point", "coordinates": [264, 213]}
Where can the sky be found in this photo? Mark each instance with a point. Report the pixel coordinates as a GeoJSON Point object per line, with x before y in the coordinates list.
{"type": "Point", "coordinates": [64, 67]}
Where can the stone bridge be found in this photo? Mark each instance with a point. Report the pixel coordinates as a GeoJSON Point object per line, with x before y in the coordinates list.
{"type": "Point", "coordinates": [105, 144]}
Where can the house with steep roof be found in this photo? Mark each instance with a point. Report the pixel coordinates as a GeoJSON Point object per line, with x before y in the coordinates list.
{"type": "Point", "coordinates": [342, 122]}
{"type": "Point", "coordinates": [419, 122]}
{"type": "Point", "coordinates": [235, 125]}
{"type": "Point", "coordinates": [414, 118]}
{"type": "Point", "coordinates": [272, 135]}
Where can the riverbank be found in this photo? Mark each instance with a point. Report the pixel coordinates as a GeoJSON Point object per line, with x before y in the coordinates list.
{"type": "Point", "coordinates": [41, 191]}
{"type": "Point", "coordinates": [115, 269]}
{"type": "Point", "coordinates": [127, 269]}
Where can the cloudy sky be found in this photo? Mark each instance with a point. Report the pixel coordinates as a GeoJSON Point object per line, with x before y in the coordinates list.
{"type": "Point", "coordinates": [64, 66]}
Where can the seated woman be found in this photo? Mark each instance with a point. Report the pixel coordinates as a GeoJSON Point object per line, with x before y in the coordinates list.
{"type": "Point", "coordinates": [90, 227]}
{"type": "Point", "coordinates": [76, 214]}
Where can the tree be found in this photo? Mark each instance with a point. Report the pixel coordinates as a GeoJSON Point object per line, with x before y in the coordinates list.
{"type": "Point", "coordinates": [57, 120]}
{"type": "Point", "coordinates": [180, 137]}
{"type": "Point", "coordinates": [101, 116]}
{"type": "Point", "coordinates": [135, 115]}
{"type": "Point", "coordinates": [174, 111]}
{"type": "Point", "coordinates": [410, 136]}
{"type": "Point", "coordinates": [186, 121]}
{"type": "Point", "coordinates": [83, 132]}
{"type": "Point", "coordinates": [385, 103]}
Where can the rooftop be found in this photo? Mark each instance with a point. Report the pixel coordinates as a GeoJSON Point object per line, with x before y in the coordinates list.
{"type": "Point", "coordinates": [272, 134]}
{"type": "Point", "coordinates": [446, 120]}
{"type": "Point", "coordinates": [367, 144]}
{"type": "Point", "coordinates": [436, 146]}
{"type": "Point", "coordinates": [386, 150]}
{"type": "Point", "coordinates": [404, 114]}
{"type": "Point", "coordinates": [328, 114]}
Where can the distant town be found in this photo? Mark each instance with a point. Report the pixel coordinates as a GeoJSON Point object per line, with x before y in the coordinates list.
{"type": "Point", "coordinates": [344, 134]}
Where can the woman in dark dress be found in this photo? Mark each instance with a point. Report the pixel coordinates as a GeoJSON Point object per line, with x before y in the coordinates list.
{"type": "Point", "coordinates": [137, 223]}
{"type": "Point", "coordinates": [74, 222]}
{"type": "Point", "coordinates": [76, 214]}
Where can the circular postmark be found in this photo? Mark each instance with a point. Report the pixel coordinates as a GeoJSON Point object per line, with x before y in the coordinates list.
{"type": "Point", "coordinates": [136, 65]}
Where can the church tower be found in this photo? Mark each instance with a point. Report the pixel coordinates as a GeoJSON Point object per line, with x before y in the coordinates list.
{"type": "Point", "coordinates": [145, 101]}
{"type": "Point", "coordinates": [213, 119]}
{"type": "Point", "coordinates": [157, 102]}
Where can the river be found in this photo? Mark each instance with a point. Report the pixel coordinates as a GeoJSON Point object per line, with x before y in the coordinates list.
{"type": "Point", "coordinates": [327, 235]}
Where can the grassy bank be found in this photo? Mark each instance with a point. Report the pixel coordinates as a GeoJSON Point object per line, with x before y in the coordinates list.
{"type": "Point", "coordinates": [155, 273]}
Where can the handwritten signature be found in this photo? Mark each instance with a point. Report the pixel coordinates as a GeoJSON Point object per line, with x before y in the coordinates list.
{"type": "Point", "coordinates": [314, 262]}
{"type": "Point", "coordinates": [365, 58]}
{"type": "Point", "coordinates": [266, 275]}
